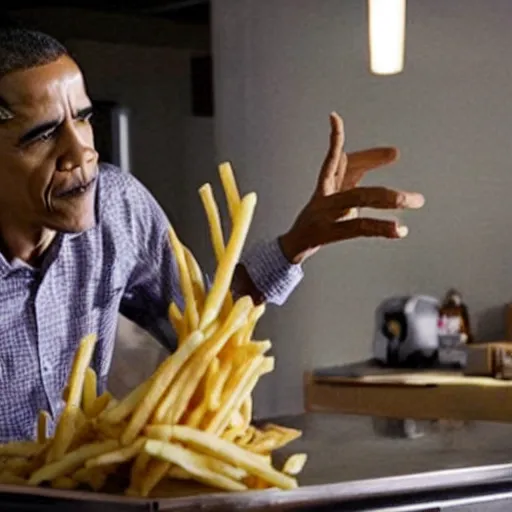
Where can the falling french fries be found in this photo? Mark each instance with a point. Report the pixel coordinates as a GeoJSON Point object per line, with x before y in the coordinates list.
{"type": "Point", "coordinates": [192, 418]}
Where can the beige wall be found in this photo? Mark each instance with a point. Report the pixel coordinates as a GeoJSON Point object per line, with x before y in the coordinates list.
{"type": "Point", "coordinates": [281, 67]}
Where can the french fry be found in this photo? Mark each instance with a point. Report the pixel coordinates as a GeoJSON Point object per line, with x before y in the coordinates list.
{"type": "Point", "coordinates": [230, 434]}
{"type": "Point", "coordinates": [42, 427]}
{"type": "Point", "coordinates": [193, 464]}
{"type": "Point", "coordinates": [216, 235]}
{"type": "Point", "coordinates": [195, 270]}
{"type": "Point", "coordinates": [94, 478]}
{"type": "Point", "coordinates": [8, 478]}
{"type": "Point", "coordinates": [126, 406]}
{"type": "Point", "coordinates": [212, 214]}
{"type": "Point", "coordinates": [210, 444]}
{"type": "Point", "coordinates": [185, 281]}
{"type": "Point", "coordinates": [229, 260]}
{"type": "Point", "coordinates": [197, 415]}
{"type": "Point", "coordinates": [165, 407]}
{"type": "Point", "coordinates": [178, 473]}
{"type": "Point", "coordinates": [159, 383]}
{"type": "Point", "coordinates": [215, 391]}
{"type": "Point", "coordinates": [71, 461]}
{"type": "Point", "coordinates": [66, 427]}
{"type": "Point", "coordinates": [156, 471]}
{"type": "Point", "coordinates": [294, 464]}
{"type": "Point", "coordinates": [101, 404]}
{"type": "Point", "coordinates": [230, 187]}
{"type": "Point", "coordinates": [19, 466]}
{"type": "Point", "coordinates": [246, 411]}
{"type": "Point", "coordinates": [251, 434]}
{"type": "Point", "coordinates": [64, 433]}
{"type": "Point", "coordinates": [241, 387]}
{"type": "Point", "coordinates": [64, 483]}
{"type": "Point", "coordinates": [243, 336]}
{"type": "Point", "coordinates": [211, 377]}
{"type": "Point", "coordinates": [242, 393]}
{"type": "Point", "coordinates": [110, 430]}
{"type": "Point", "coordinates": [236, 420]}
{"type": "Point", "coordinates": [264, 445]}
{"type": "Point", "coordinates": [212, 329]}
{"type": "Point", "coordinates": [208, 351]}
{"type": "Point", "coordinates": [117, 456]}
{"type": "Point", "coordinates": [235, 387]}
{"type": "Point", "coordinates": [90, 391]}
{"type": "Point", "coordinates": [80, 364]}
{"type": "Point", "coordinates": [177, 321]}
{"type": "Point", "coordinates": [254, 317]}
{"type": "Point", "coordinates": [138, 470]}
{"type": "Point", "coordinates": [287, 434]}
{"type": "Point", "coordinates": [86, 433]}
{"type": "Point", "coordinates": [259, 347]}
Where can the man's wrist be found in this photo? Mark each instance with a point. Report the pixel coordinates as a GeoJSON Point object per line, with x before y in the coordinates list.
{"type": "Point", "coordinates": [292, 250]}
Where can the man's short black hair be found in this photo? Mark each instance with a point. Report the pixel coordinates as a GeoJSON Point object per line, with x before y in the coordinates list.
{"type": "Point", "coordinates": [22, 48]}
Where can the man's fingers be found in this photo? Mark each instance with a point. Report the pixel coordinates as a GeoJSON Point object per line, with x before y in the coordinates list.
{"type": "Point", "coordinates": [332, 159]}
{"type": "Point", "coordinates": [372, 197]}
{"type": "Point", "coordinates": [361, 161]}
{"type": "Point", "coordinates": [364, 227]}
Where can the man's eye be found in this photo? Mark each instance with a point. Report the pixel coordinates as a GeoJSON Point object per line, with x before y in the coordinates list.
{"type": "Point", "coordinates": [85, 118]}
{"type": "Point", "coordinates": [45, 136]}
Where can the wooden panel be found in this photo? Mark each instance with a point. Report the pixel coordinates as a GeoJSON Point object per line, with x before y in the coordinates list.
{"type": "Point", "coordinates": [457, 402]}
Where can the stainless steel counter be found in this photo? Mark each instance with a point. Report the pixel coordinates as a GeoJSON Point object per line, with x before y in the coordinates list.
{"type": "Point", "coordinates": [352, 467]}
{"type": "Point", "coordinates": [347, 448]}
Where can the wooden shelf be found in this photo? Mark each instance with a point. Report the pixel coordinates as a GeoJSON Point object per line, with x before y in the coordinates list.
{"type": "Point", "coordinates": [469, 401]}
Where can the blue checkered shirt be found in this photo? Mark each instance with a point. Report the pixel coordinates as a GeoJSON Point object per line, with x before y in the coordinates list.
{"type": "Point", "coordinates": [123, 264]}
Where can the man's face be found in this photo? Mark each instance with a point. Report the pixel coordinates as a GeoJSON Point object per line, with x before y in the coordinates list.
{"type": "Point", "coordinates": [48, 164]}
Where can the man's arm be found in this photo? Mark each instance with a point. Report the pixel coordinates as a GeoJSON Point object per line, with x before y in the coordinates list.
{"type": "Point", "coordinates": [269, 272]}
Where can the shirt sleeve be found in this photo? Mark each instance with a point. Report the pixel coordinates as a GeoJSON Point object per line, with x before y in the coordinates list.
{"type": "Point", "coordinates": [154, 281]}
{"type": "Point", "coordinates": [272, 274]}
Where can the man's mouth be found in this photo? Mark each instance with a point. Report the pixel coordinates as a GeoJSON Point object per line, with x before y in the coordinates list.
{"type": "Point", "coordinates": [77, 190]}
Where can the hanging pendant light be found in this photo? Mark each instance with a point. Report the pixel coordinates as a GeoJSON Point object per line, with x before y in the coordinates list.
{"type": "Point", "coordinates": [386, 31]}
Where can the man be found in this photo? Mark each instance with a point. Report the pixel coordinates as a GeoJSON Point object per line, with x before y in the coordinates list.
{"type": "Point", "coordinates": [80, 242]}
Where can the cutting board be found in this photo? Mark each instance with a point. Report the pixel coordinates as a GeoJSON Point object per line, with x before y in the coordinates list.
{"type": "Point", "coordinates": [367, 372]}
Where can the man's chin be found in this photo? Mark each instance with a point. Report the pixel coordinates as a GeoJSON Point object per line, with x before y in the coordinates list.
{"type": "Point", "coordinates": [74, 215]}
{"type": "Point", "coordinates": [80, 225]}
{"type": "Point", "coordinates": [72, 224]}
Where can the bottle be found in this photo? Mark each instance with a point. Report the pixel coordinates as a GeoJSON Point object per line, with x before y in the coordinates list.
{"type": "Point", "coordinates": [454, 329]}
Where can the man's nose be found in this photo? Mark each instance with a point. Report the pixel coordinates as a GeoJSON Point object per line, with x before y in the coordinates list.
{"type": "Point", "coordinates": [78, 152]}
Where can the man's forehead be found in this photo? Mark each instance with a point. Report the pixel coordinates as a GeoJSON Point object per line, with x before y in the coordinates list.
{"type": "Point", "coordinates": [43, 88]}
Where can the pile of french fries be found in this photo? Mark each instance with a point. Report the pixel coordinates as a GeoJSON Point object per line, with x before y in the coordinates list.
{"type": "Point", "coordinates": [191, 420]}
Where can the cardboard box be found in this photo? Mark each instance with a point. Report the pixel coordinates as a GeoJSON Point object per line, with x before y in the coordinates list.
{"type": "Point", "coordinates": [486, 359]}
{"type": "Point", "coordinates": [479, 360]}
